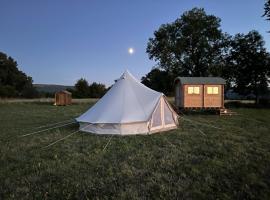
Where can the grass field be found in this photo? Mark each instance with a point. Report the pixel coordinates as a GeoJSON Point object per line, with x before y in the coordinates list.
{"type": "Point", "coordinates": [196, 161]}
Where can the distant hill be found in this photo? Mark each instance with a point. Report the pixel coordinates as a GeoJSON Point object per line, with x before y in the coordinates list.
{"type": "Point", "coordinates": [49, 88]}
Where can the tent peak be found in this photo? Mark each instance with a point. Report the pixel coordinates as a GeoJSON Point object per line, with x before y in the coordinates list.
{"type": "Point", "coordinates": [127, 75]}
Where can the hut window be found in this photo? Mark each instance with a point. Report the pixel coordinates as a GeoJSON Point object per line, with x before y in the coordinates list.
{"type": "Point", "coordinates": [212, 90]}
{"type": "Point", "coordinates": [193, 90]}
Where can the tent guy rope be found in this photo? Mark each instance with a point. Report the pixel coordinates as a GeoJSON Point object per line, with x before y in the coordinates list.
{"type": "Point", "coordinates": [203, 124]}
{"type": "Point", "coordinates": [69, 135]}
{"type": "Point", "coordinates": [189, 120]}
{"type": "Point", "coordinates": [48, 125]}
{"type": "Point", "coordinates": [46, 129]}
{"type": "Point", "coordinates": [107, 143]}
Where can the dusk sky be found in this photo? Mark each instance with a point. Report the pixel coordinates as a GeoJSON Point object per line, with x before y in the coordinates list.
{"type": "Point", "coordinates": [60, 41]}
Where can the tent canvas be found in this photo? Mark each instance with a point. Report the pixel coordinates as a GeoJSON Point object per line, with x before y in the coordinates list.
{"type": "Point", "coordinates": [129, 107]}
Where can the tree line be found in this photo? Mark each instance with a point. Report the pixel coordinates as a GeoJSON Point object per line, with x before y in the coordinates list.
{"type": "Point", "coordinates": [83, 89]}
{"type": "Point", "coordinates": [192, 45]}
{"type": "Point", "coordinates": [13, 82]}
{"type": "Point", "coordinates": [267, 10]}
{"type": "Point", "coordinates": [16, 84]}
{"type": "Point", "coordinates": [195, 45]}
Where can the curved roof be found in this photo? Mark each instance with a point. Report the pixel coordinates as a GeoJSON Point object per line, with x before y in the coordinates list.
{"type": "Point", "coordinates": [127, 101]}
{"type": "Point", "coordinates": [201, 80]}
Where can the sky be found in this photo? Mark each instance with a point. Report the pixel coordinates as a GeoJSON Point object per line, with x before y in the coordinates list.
{"type": "Point", "coordinates": [60, 41]}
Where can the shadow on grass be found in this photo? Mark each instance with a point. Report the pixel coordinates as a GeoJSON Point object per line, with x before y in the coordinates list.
{"type": "Point", "coordinates": [199, 112]}
{"type": "Point", "coordinates": [228, 105]}
{"type": "Point", "coordinates": [239, 104]}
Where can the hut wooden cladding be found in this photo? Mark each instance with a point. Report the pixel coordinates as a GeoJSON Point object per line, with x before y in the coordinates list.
{"type": "Point", "coordinates": [63, 98]}
{"type": "Point", "coordinates": [199, 92]}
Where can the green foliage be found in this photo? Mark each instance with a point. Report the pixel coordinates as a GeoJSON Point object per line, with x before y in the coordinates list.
{"type": "Point", "coordinates": [267, 9]}
{"type": "Point", "coordinates": [7, 91]}
{"type": "Point", "coordinates": [97, 90]}
{"type": "Point", "coordinates": [190, 46]}
{"type": "Point", "coordinates": [187, 163]}
{"type": "Point", "coordinates": [13, 82]}
{"type": "Point", "coordinates": [30, 92]}
{"type": "Point", "coordinates": [159, 80]}
{"type": "Point", "coordinates": [248, 63]}
{"type": "Point", "coordinates": [194, 45]}
{"type": "Point", "coordinates": [84, 90]}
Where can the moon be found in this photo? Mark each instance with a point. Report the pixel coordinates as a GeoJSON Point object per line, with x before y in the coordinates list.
{"type": "Point", "coordinates": [130, 51]}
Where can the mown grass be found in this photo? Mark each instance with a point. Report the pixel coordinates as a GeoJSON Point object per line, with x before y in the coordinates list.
{"type": "Point", "coordinates": [196, 161]}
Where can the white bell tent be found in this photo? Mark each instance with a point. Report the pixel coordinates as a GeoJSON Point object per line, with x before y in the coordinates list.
{"type": "Point", "coordinates": [129, 107]}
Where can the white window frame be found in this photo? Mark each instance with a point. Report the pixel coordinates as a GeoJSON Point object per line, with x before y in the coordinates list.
{"type": "Point", "coordinates": [193, 90]}
{"type": "Point", "coordinates": [212, 90]}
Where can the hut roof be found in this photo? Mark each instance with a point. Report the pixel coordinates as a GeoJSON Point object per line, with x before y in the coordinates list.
{"type": "Point", "coordinates": [64, 91]}
{"type": "Point", "coordinates": [201, 80]}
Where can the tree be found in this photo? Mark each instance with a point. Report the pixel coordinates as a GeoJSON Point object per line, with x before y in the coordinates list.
{"type": "Point", "coordinates": [159, 80]}
{"type": "Point", "coordinates": [13, 82]}
{"type": "Point", "coordinates": [190, 46]}
{"type": "Point", "coordinates": [82, 88]}
{"type": "Point", "coordinates": [267, 10]}
{"type": "Point", "coordinates": [97, 90]}
{"type": "Point", "coordinates": [249, 63]}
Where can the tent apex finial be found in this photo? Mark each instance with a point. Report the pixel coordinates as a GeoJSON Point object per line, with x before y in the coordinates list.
{"type": "Point", "coordinates": [126, 74]}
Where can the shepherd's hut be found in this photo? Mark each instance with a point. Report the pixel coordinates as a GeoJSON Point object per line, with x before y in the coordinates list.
{"type": "Point", "coordinates": [199, 92]}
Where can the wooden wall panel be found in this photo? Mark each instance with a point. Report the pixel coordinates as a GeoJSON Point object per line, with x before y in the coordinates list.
{"type": "Point", "coordinates": [202, 100]}
{"type": "Point", "coordinates": [213, 100]}
{"type": "Point", "coordinates": [62, 99]}
{"type": "Point", "coordinates": [193, 100]}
